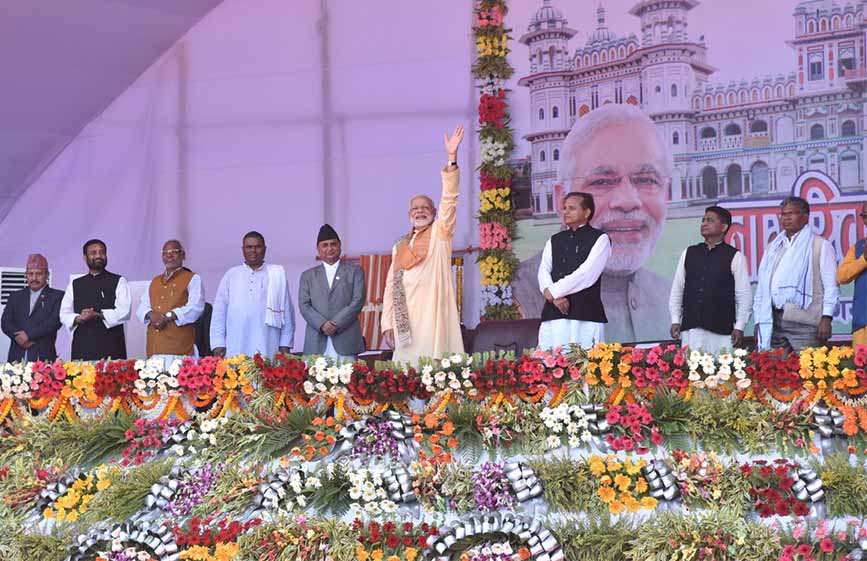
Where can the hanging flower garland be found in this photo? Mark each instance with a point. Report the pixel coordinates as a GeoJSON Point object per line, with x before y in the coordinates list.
{"type": "Point", "coordinates": [497, 261]}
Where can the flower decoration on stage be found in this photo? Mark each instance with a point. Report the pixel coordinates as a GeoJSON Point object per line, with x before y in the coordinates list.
{"type": "Point", "coordinates": [115, 378]}
{"type": "Point", "coordinates": [718, 373]}
{"type": "Point", "coordinates": [75, 501]}
{"type": "Point", "coordinates": [283, 373]}
{"type": "Point", "coordinates": [824, 540]}
{"type": "Point", "coordinates": [772, 488]}
{"type": "Point", "coordinates": [497, 551]}
{"type": "Point", "coordinates": [491, 488]}
{"type": "Point", "coordinates": [495, 271]}
{"type": "Point", "coordinates": [326, 379]}
{"type": "Point", "coordinates": [154, 377]}
{"type": "Point", "coordinates": [205, 540]}
{"type": "Point", "coordinates": [15, 380]}
{"type": "Point", "coordinates": [493, 152]}
{"type": "Point", "coordinates": [488, 181]}
{"type": "Point", "coordinates": [699, 476]}
{"type": "Point", "coordinates": [492, 109]}
{"type": "Point", "coordinates": [451, 374]}
{"type": "Point", "coordinates": [494, 235]}
{"type": "Point", "coordinates": [391, 540]}
{"type": "Point", "coordinates": [368, 492]}
{"type": "Point", "coordinates": [385, 386]}
{"type": "Point", "coordinates": [566, 423]}
{"type": "Point", "coordinates": [621, 485]}
{"type": "Point", "coordinates": [119, 552]}
{"type": "Point", "coordinates": [496, 224]}
{"type": "Point", "coordinates": [196, 377]}
{"type": "Point", "coordinates": [497, 295]}
{"type": "Point", "coordinates": [633, 425]}
{"type": "Point", "coordinates": [145, 439]}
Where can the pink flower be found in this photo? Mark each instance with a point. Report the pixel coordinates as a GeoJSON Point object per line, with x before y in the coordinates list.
{"type": "Point", "coordinates": [826, 545]}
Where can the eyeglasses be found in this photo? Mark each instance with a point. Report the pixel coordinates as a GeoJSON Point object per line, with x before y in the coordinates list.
{"type": "Point", "coordinates": [172, 251]}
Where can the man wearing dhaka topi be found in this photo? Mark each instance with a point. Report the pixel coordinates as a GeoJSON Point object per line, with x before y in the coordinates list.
{"type": "Point", "coordinates": [419, 310]}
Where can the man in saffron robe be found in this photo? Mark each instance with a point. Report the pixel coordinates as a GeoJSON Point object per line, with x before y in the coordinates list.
{"type": "Point", "coordinates": [419, 310]}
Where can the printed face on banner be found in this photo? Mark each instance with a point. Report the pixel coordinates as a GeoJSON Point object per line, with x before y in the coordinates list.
{"type": "Point", "coordinates": [706, 140]}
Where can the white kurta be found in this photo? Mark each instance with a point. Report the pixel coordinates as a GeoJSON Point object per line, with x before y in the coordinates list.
{"type": "Point", "coordinates": [702, 339]}
{"type": "Point", "coordinates": [238, 318]}
{"type": "Point", "coordinates": [111, 317]}
{"type": "Point", "coordinates": [563, 332]}
{"type": "Point", "coordinates": [330, 351]}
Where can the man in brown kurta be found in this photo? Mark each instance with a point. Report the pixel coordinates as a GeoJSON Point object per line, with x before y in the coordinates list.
{"type": "Point", "coordinates": [419, 310]}
{"type": "Point", "coordinates": [171, 305]}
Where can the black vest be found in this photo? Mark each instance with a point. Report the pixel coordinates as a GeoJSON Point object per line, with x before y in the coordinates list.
{"type": "Point", "coordinates": [709, 291]}
{"type": "Point", "coordinates": [91, 340]}
{"type": "Point", "coordinates": [569, 249]}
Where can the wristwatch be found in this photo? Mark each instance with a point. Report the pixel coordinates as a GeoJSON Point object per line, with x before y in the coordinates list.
{"type": "Point", "coordinates": [451, 163]}
{"type": "Point", "coordinates": [170, 315]}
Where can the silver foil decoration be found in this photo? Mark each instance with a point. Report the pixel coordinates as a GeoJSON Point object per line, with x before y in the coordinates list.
{"type": "Point", "coordinates": [156, 538]}
{"type": "Point", "coordinates": [662, 483]}
{"type": "Point", "coordinates": [596, 423]}
{"type": "Point", "coordinates": [808, 487]}
{"type": "Point", "coordinates": [539, 540]}
{"type": "Point", "coordinates": [398, 484]}
{"type": "Point", "coordinates": [828, 421]}
{"type": "Point", "coordinates": [525, 485]}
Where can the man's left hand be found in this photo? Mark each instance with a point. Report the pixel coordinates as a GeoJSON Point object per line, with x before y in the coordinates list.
{"type": "Point", "coordinates": [284, 350]}
{"type": "Point", "coordinates": [21, 338]}
{"type": "Point", "coordinates": [329, 328]}
{"type": "Point", "coordinates": [562, 305]}
{"type": "Point", "coordinates": [737, 337]}
{"type": "Point", "coordinates": [452, 142]}
{"type": "Point", "coordinates": [823, 332]}
{"type": "Point", "coordinates": [548, 296]}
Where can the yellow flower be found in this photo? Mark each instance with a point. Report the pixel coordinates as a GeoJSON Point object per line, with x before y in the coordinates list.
{"type": "Point", "coordinates": [632, 505]}
{"type": "Point", "coordinates": [622, 482]}
{"type": "Point", "coordinates": [613, 464]}
{"type": "Point", "coordinates": [410, 553]}
{"type": "Point", "coordinates": [641, 485]}
{"type": "Point", "coordinates": [597, 466]}
{"type": "Point", "coordinates": [72, 516]}
{"type": "Point", "coordinates": [103, 484]}
{"type": "Point", "coordinates": [648, 502]}
{"type": "Point", "coordinates": [615, 507]}
{"type": "Point", "coordinates": [376, 555]}
{"type": "Point", "coordinates": [606, 494]}
{"type": "Point", "coordinates": [393, 558]}
{"type": "Point", "coordinates": [48, 513]}
{"type": "Point", "coordinates": [361, 554]}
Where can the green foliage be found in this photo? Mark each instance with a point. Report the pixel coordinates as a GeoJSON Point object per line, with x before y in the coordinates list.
{"type": "Point", "coordinates": [127, 495]}
{"type": "Point", "coordinates": [679, 537]}
{"type": "Point", "coordinates": [845, 486]}
{"type": "Point", "coordinates": [463, 415]}
{"type": "Point", "coordinates": [568, 485]}
{"type": "Point", "coordinates": [232, 492]}
{"type": "Point", "coordinates": [17, 544]}
{"type": "Point", "coordinates": [729, 425]}
{"type": "Point", "coordinates": [594, 538]}
{"type": "Point", "coordinates": [672, 416]}
{"type": "Point", "coordinates": [75, 443]}
{"type": "Point", "coordinates": [262, 437]}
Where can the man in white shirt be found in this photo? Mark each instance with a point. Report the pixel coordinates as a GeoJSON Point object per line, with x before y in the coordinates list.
{"type": "Point", "coordinates": [797, 289]}
{"type": "Point", "coordinates": [569, 278]}
{"type": "Point", "coordinates": [330, 297]}
{"type": "Point", "coordinates": [711, 298]}
{"type": "Point", "coordinates": [253, 310]}
{"type": "Point", "coordinates": [171, 305]}
{"type": "Point", "coordinates": [95, 307]}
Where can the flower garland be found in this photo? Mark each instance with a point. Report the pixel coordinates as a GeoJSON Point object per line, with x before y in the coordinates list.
{"type": "Point", "coordinates": [497, 229]}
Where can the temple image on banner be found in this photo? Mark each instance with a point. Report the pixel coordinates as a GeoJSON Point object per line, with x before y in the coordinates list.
{"type": "Point", "coordinates": [742, 144]}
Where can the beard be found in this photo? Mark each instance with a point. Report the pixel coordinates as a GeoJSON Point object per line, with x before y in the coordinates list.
{"type": "Point", "coordinates": [97, 264]}
{"type": "Point", "coordinates": [628, 254]}
{"type": "Point", "coordinates": [422, 222]}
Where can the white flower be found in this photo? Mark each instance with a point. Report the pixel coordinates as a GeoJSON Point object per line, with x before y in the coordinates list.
{"type": "Point", "coordinates": [427, 370]}
{"type": "Point", "coordinates": [178, 449]}
{"type": "Point", "coordinates": [355, 493]}
{"type": "Point", "coordinates": [743, 383]}
{"type": "Point", "coordinates": [456, 358]}
{"type": "Point", "coordinates": [445, 364]}
{"type": "Point", "coordinates": [553, 442]}
{"type": "Point", "coordinates": [388, 506]}
{"type": "Point", "coordinates": [455, 385]}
